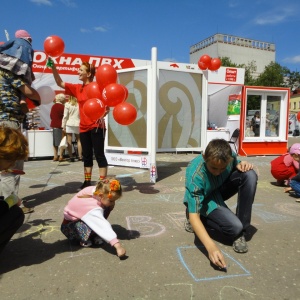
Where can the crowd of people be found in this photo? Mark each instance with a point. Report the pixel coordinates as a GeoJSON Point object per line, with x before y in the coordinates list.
{"type": "Point", "coordinates": [92, 134]}
{"type": "Point", "coordinates": [285, 169]}
{"type": "Point", "coordinates": [65, 120]}
{"type": "Point", "coordinates": [56, 116]}
{"type": "Point", "coordinates": [70, 126]}
{"type": "Point", "coordinates": [85, 216]}
{"type": "Point", "coordinates": [16, 76]}
{"type": "Point", "coordinates": [212, 177]}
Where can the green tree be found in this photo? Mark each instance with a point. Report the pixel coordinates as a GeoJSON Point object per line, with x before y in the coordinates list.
{"type": "Point", "coordinates": [273, 75]}
{"type": "Point", "coordinates": [226, 62]}
{"type": "Point", "coordinates": [293, 79]}
{"type": "Point", "coordinates": [250, 69]}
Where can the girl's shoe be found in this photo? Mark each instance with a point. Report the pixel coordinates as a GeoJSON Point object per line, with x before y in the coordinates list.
{"type": "Point", "coordinates": [86, 244]}
{"type": "Point", "coordinates": [97, 240]}
{"type": "Point", "coordinates": [85, 184]}
{"type": "Point", "coordinates": [280, 182]}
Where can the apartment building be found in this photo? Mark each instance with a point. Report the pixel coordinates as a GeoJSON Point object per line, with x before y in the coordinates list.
{"type": "Point", "coordinates": [240, 50]}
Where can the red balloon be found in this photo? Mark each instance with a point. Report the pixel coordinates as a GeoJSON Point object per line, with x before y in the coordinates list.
{"type": "Point", "coordinates": [114, 94]}
{"type": "Point", "coordinates": [125, 113]}
{"type": "Point", "coordinates": [54, 46]}
{"type": "Point", "coordinates": [204, 61]}
{"type": "Point", "coordinates": [106, 74]}
{"type": "Point", "coordinates": [93, 90]}
{"type": "Point", "coordinates": [202, 65]}
{"type": "Point", "coordinates": [215, 64]}
{"type": "Point", "coordinates": [94, 109]}
{"type": "Point", "coordinates": [126, 91]}
{"type": "Point", "coordinates": [298, 116]}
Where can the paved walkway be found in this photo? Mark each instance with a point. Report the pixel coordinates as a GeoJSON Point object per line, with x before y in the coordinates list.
{"type": "Point", "coordinates": [164, 261]}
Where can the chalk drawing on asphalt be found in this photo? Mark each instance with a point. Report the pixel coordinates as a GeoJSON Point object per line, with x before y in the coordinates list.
{"type": "Point", "coordinates": [42, 229]}
{"type": "Point", "coordinates": [177, 218]}
{"type": "Point", "coordinates": [144, 226]}
{"type": "Point", "coordinates": [233, 292]}
{"type": "Point", "coordinates": [289, 208]}
{"type": "Point", "coordinates": [266, 216]}
{"type": "Point", "coordinates": [186, 253]}
{"type": "Point", "coordinates": [269, 217]}
{"type": "Point", "coordinates": [188, 285]}
{"type": "Point", "coordinates": [169, 198]}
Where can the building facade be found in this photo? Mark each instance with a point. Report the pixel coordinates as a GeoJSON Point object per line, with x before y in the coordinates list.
{"type": "Point", "coordinates": [294, 110]}
{"type": "Point", "coordinates": [295, 101]}
{"type": "Point", "coordinates": [239, 50]}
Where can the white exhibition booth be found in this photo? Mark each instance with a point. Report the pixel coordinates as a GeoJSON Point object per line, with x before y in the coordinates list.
{"type": "Point", "coordinates": [176, 104]}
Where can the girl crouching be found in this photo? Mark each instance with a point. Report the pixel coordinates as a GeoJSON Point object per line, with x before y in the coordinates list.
{"type": "Point", "coordinates": [85, 216]}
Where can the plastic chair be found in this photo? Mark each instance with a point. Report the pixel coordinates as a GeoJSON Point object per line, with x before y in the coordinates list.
{"type": "Point", "coordinates": [234, 137]}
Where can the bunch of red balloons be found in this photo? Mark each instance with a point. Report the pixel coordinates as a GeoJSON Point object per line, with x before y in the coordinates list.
{"type": "Point", "coordinates": [107, 92]}
{"type": "Point", "coordinates": [102, 93]}
{"type": "Point", "coordinates": [206, 62]}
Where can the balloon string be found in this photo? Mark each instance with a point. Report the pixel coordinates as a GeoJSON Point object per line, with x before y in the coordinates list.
{"type": "Point", "coordinates": [98, 121]}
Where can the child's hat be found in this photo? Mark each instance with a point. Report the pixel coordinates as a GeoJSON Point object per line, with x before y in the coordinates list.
{"type": "Point", "coordinates": [22, 34]}
{"type": "Point", "coordinates": [295, 149]}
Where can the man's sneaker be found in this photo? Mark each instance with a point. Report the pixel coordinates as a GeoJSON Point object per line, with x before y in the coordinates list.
{"type": "Point", "coordinates": [187, 226]}
{"type": "Point", "coordinates": [240, 245]}
{"type": "Point", "coordinates": [85, 184]}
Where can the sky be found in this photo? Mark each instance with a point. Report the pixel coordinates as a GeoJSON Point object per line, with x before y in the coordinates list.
{"type": "Point", "coordinates": [130, 28]}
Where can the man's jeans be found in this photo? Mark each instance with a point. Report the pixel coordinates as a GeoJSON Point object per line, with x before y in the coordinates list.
{"type": "Point", "coordinates": [295, 185]}
{"type": "Point", "coordinates": [222, 218]}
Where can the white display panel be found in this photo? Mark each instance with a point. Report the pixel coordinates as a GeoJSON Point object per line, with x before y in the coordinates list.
{"type": "Point", "coordinates": [40, 143]}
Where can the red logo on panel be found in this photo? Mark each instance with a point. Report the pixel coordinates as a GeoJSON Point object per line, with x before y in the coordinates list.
{"type": "Point", "coordinates": [230, 74]}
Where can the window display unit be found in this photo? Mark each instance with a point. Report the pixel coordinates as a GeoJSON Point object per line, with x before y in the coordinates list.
{"type": "Point", "coordinates": [40, 141]}
{"type": "Point", "coordinates": [264, 121]}
{"type": "Point", "coordinates": [217, 134]}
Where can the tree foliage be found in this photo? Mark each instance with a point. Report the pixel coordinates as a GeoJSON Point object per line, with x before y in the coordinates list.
{"type": "Point", "coordinates": [274, 75]}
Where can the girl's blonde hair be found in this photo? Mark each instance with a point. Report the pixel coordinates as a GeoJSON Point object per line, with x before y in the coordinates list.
{"type": "Point", "coordinates": [59, 98]}
{"type": "Point", "coordinates": [73, 100]}
{"type": "Point", "coordinates": [13, 144]}
{"type": "Point", "coordinates": [110, 187]}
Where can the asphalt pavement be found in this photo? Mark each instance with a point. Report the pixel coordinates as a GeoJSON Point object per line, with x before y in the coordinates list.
{"type": "Point", "coordinates": [163, 260]}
